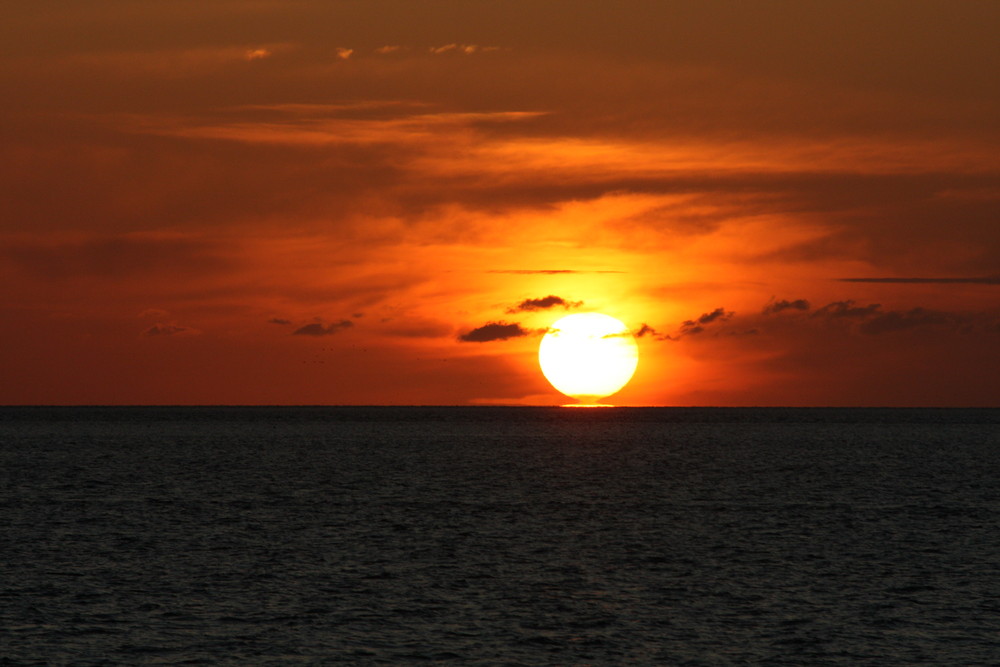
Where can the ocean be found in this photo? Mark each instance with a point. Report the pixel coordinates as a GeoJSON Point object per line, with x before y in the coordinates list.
{"type": "Point", "coordinates": [499, 536]}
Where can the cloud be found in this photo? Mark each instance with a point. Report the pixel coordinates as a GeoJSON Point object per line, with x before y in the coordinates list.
{"type": "Point", "coordinates": [279, 320]}
{"type": "Point", "coordinates": [320, 329]}
{"type": "Point", "coordinates": [344, 53]}
{"type": "Point", "coordinates": [718, 314]}
{"type": "Point", "coordinates": [257, 54]}
{"type": "Point", "coordinates": [525, 272]}
{"type": "Point", "coordinates": [543, 303]}
{"type": "Point", "coordinates": [984, 280]}
{"type": "Point", "coordinates": [646, 330]}
{"type": "Point", "coordinates": [898, 321]}
{"type": "Point", "coordinates": [467, 49]}
{"type": "Point", "coordinates": [494, 331]}
{"type": "Point", "coordinates": [386, 50]}
{"type": "Point", "coordinates": [846, 309]}
{"type": "Point", "coordinates": [778, 306]}
{"type": "Point", "coordinates": [160, 329]}
{"type": "Point", "coordinates": [872, 320]}
{"type": "Point", "coordinates": [697, 326]}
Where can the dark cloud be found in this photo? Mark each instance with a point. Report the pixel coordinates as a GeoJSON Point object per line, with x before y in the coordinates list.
{"type": "Point", "coordinates": [872, 320]}
{"type": "Point", "coordinates": [494, 331]}
{"type": "Point", "coordinates": [160, 329]}
{"type": "Point", "coordinates": [718, 314]}
{"type": "Point", "coordinates": [698, 326]}
{"type": "Point", "coordinates": [646, 330]}
{"type": "Point", "coordinates": [847, 309]}
{"type": "Point", "coordinates": [320, 329]}
{"type": "Point", "coordinates": [986, 280]}
{"type": "Point", "coordinates": [778, 306]}
{"type": "Point", "coordinates": [900, 320]}
{"type": "Point", "coordinates": [278, 320]}
{"type": "Point", "coordinates": [543, 303]}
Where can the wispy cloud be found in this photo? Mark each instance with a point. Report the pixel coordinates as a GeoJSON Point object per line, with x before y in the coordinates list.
{"type": "Point", "coordinates": [320, 329]}
{"type": "Point", "coordinates": [698, 325]}
{"type": "Point", "coordinates": [161, 329]}
{"type": "Point", "coordinates": [846, 309]}
{"type": "Point", "coordinates": [257, 54]}
{"type": "Point", "coordinates": [982, 280]}
{"type": "Point", "coordinates": [778, 306]}
{"type": "Point", "coordinates": [466, 49]}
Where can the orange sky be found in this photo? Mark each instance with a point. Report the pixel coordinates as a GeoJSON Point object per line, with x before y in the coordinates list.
{"type": "Point", "coordinates": [312, 202]}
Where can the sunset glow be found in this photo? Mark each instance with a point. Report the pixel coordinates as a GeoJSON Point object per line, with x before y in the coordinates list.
{"type": "Point", "coordinates": [390, 202]}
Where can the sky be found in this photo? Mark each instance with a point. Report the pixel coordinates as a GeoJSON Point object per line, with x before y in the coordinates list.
{"type": "Point", "coordinates": [389, 202]}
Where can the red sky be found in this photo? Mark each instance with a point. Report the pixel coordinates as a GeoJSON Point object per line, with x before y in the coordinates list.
{"type": "Point", "coordinates": [312, 202]}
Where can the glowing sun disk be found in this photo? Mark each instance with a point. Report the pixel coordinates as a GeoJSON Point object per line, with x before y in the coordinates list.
{"type": "Point", "coordinates": [588, 356]}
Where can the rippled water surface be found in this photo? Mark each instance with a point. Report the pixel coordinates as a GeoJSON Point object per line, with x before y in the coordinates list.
{"type": "Point", "coordinates": [499, 536]}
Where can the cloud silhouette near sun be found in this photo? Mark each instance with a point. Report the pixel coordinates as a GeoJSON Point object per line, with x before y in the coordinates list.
{"type": "Point", "coordinates": [494, 331]}
{"type": "Point", "coordinates": [544, 303]}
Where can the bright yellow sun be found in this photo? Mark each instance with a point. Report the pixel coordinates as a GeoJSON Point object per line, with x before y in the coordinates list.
{"type": "Point", "coordinates": [588, 356]}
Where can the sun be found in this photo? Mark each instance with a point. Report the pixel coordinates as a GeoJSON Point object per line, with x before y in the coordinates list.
{"type": "Point", "coordinates": [588, 356]}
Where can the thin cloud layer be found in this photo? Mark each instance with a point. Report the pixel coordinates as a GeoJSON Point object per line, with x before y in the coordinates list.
{"type": "Point", "coordinates": [160, 329]}
{"type": "Point", "coordinates": [984, 280]}
{"type": "Point", "coordinates": [784, 304]}
{"type": "Point", "coordinates": [320, 329]}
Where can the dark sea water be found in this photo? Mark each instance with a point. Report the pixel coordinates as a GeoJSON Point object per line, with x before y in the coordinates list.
{"type": "Point", "coordinates": [499, 536]}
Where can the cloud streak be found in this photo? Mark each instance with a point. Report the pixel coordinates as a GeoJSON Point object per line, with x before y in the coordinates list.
{"type": "Point", "coordinates": [320, 329]}
{"type": "Point", "coordinates": [549, 272]}
{"type": "Point", "coordinates": [161, 329]}
{"type": "Point", "coordinates": [784, 304]}
{"type": "Point", "coordinates": [983, 280]}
